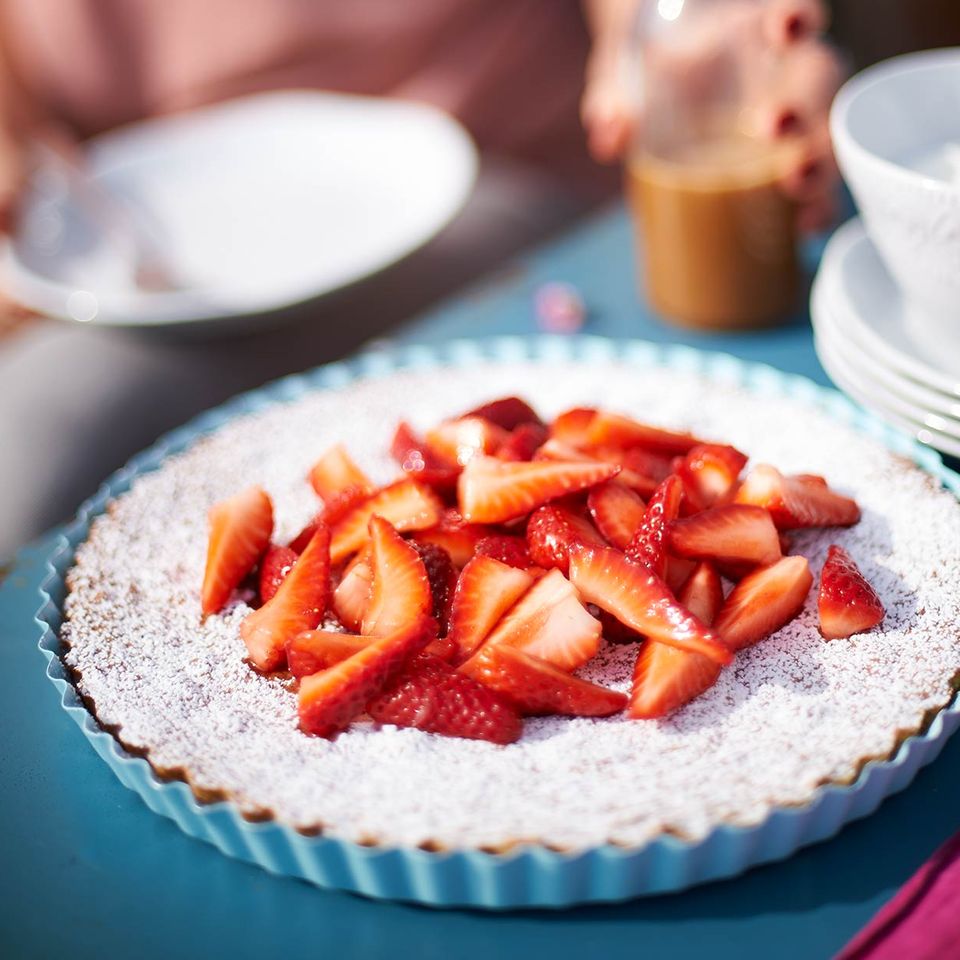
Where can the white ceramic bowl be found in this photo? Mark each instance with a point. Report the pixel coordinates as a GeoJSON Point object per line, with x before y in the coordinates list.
{"type": "Point", "coordinates": [886, 122]}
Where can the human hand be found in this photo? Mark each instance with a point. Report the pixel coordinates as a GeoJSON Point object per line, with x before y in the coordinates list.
{"type": "Point", "coordinates": [795, 109]}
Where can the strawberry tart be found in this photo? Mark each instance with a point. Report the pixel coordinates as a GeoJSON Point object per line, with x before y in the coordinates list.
{"type": "Point", "coordinates": [402, 613]}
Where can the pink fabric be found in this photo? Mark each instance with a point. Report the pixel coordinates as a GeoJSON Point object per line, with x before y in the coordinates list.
{"type": "Point", "coordinates": [511, 70]}
{"type": "Point", "coordinates": [922, 922]}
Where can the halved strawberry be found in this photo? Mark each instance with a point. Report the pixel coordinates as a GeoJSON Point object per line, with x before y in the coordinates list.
{"type": "Point", "coordinates": [401, 589]}
{"type": "Point", "coordinates": [458, 538]}
{"type": "Point", "coordinates": [847, 603]}
{"type": "Point", "coordinates": [506, 548]}
{"type": "Point", "coordinates": [431, 695]}
{"type": "Point", "coordinates": [641, 600]}
{"type": "Point", "coordinates": [731, 532]}
{"type": "Point", "coordinates": [507, 412]}
{"type": "Point", "coordinates": [275, 565]}
{"type": "Point", "coordinates": [763, 601]}
{"type": "Point", "coordinates": [709, 473]}
{"type": "Point", "coordinates": [352, 594]}
{"type": "Point", "coordinates": [405, 504]}
{"type": "Point", "coordinates": [797, 502]}
{"type": "Point", "coordinates": [665, 679]}
{"type": "Point", "coordinates": [334, 509]}
{"type": "Point", "coordinates": [327, 701]}
{"type": "Point", "coordinates": [641, 484]}
{"type": "Point", "coordinates": [240, 531]}
{"type": "Point", "coordinates": [571, 426]}
{"type": "Point", "coordinates": [536, 687]}
{"type": "Point", "coordinates": [613, 430]}
{"type": "Point", "coordinates": [653, 467]}
{"type": "Point", "coordinates": [442, 576]}
{"type": "Point", "coordinates": [420, 461]}
{"type": "Point", "coordinates": [459, 441]}
{"type": "Point", "coordinates": [550, 622]}
{"type": "Point", "coordinates": [648, 547]}
{"type": "Point", "coordinates": [524, 441]}
{"type": "Point", "coordinates": [617, 511]}
{"type": "Point", "coordinates": [486, 590]}
{"type": "Point", "coordinates": [297, 605]}
{"type": "Point", "coordinates": [552, 529]}
{"type": "Point", "coordinates": [491, 491]}
{"type": "Point", "coordinates": [702, 594]}
{"type": "Point", "coordinates": [335, 471]}
{"type": "Point", "coordinates": [315, 650]}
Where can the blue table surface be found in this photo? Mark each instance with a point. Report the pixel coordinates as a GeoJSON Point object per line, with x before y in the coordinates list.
{"type": "Point", "coordinates": [89, 870]}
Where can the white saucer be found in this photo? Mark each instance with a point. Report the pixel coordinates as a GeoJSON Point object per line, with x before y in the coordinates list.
{"type": "Point", "coordinates": [256, 204]}
{"type": "Point", "coordinates": [921, 400]}
{"type": "Point", "coordinates": [867, 309]}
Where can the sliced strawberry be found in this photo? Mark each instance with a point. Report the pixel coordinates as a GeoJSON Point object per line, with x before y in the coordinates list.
{"type": "Point", "coordinates": [507, 413]}
{"type": "Point", "coordinates": [797, 502]}
{"type": "Point", "coordinates": [335, 471]}
{"type": "Point", "coordinates": [315, 650]}
{"type": "Point", "coordinates": [459, 441]}
{"type": "Point", "coordinates": [508, 549]}
{"type": "Point", "coordinates": [491, 491]}
{"type": "Point", "coordinates": [648, 548]}
{"type": "Point", "coordinates": [524, 441]}
{"type": "Point", "coordinates": [641, 600]}
{"type": "Point", "coordinates": [442, 576]}
{"type": "Point", "coordinates": [552, 530]}
{"type": "Point", "coordinates": [458, 538]}
{"type": "Point", "coordinates": [709, 473]}
{"type": "Point", "coordinates": [763, 601]}
{"type": "Point", "coordinates": [327, 701]}
{"type": "Point", "coordinates": [549, 622]}
{"type": "Point", "coordinates": [612, 430]}
{"type": "Point", "coordinates": [401, 589]}
{"type": "Point", "coordinates": [702, 594]}
{"type": "Point", "coordinates": [653, 467]}
{"type": "Point", "coordinates": [352, 595]}
{"type": "Point", "coordinates": [275, 565]}
{"type": "Point", "coordinates": [678, 572]}
{"type": "Point", "coordinates": [571, 426]}
{"type": "Point", "coordinates": [297, 605]}
{"type": "Point", "coordinates": [555, 450]}
{"type": "Point", "coordinates": [617, 511]}
{"type": "Point", "coordinates": [405, 504]}
{"type": "Point", "coordinates": [847, 603]}
{"type": "Point", "coordinates": [486, 590]}
{"type": "Point", "coordinates": [665, 679]}
{"type": "Point", "coordinates": [331, 513]}
{"type": "Point", "coordinates": [731, 532]}
{"type": "Point", "coordinates": [420, 461]}
{"type": "Point", "coordinates": [537, 687]}
{"type": "Point", "coordinates": [240, 531]}
{"type": "Point", "coordinates": [431, 695]}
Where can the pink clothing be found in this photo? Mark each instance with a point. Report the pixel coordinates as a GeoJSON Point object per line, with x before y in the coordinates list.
{"type": "Point", "coordinates": [511, 70]}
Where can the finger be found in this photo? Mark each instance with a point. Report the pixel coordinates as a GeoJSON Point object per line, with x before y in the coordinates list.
{"type": "Point", "coordinates": [800, 101]}
{"type": "Point", "coordinates": [813, 168]}
{"type": "Point", "coordinates": [609, 118]}
{"type": "Point", "coordinates": [787, 22]}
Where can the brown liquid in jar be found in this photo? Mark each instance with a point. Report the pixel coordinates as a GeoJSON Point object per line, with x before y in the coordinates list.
{"type": "Point", "coordinates": [716, 235]}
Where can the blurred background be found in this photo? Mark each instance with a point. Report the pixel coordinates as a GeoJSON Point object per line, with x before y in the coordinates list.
{"type": "Point", "coordinates": [185, 222]}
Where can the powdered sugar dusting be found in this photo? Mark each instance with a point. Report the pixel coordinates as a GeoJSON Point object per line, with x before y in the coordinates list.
{"type": "Point", "coordinates": [790, 714]}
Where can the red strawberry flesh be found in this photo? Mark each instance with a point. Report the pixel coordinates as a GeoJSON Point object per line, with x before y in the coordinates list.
{"type": "Point", "coordinates": [329, 700]}
{"type": "Point", "coordinates": [763, 602]}
{"type": "Point", "coordinates": [641, 600]}
{"type": "Point", "coordinates": [847, 603]}
{"type": "Point", "coordinates": [731, 532]}
{"type": "Point", "coordinates": [240, 530]}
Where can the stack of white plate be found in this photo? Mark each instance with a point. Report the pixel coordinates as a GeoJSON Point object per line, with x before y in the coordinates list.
{"type": "Point", "coordinates": [878, 348]}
